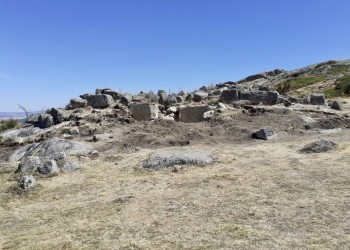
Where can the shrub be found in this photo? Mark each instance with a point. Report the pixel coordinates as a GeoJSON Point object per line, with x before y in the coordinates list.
{"type": "Point", "coordinates": [8, 124]}
{"type": "Point", "coordinates": [297, 83]}
{"type": "Point", "coordinates": [337, 70]}
{"type": "Point", "coordinates": [343, 84]}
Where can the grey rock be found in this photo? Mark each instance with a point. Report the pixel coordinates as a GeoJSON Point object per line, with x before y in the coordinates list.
{"type": "Point", "coordinates": [239, 104]}
{"type": "Point", "coordinates": [58, 115]}
{"type": "Point", "coordinates": [74, 131]}
{"type": "Point", "coordinates": [94, 154]}
{"type": "Point", "coordinates": [28, 131]}
{"type": "Point", "coordinates": [126, 99]}
{"type": "Point", "coordinates": [28, 164]}
{"type": "Point", "coordinates": [99, 101]}
{"type": "Point", "coordinates": [284, 101]}
{"type": "Point", "coordinates": [34, 118]}
{"type": "Point", "coordinates": [180, 99]}
{"type": "Point", "coordinates": [199, 96]}
{"type": "Point", "coordinates": [265, 134]}
{"type": "Point", "coordinates": [229, 96]}
{"type": "Point", "coordinates": [170, 101]}
{"type": "Point", "coordinates": [53, 148]}
{"type": "Point", "coordinates": [144, 111]}
{"type": "Point", "coordinates": [45, 120]}
{"type": "Point", "coordinates": [48, 167]}
{"type": "Point", "coordinates": [255, 77]}
{"type": "Point", "coordinates": [137, 98]}
{"type": "Point", "coordinates": [190, 114]}
{"type": "Point", "coordinates": [20, 152]}
{"type": "Point", "coordinates": [189, 97]}
{"type": "Point", "coordinates": [100, 137]}
{"type": "Point", "coordinates": [115, 94]}
{"type": "Point", "coordinates": [256, 97]}
{"type": "Point", "coordinates": [336, 105]}
{"type": "Point", "coordinates": [293, 99]}
{"type": "Point", "coordinates": [169, 158]}
{"type": "Point", "coordinates": [27, 182]}
{"type": "Point", "coordinates": [70, 166]}
{"type": "Point", "coordinates": [78, 103]}
{"type": "Point", "coordinates": [317, 99]}
{"type": "Point", "coordinates": [319, 146]}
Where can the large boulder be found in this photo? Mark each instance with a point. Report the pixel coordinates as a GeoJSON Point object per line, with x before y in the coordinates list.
{"type": "Point", "coordinates": [78, 103]}
{"type": "Point", "coordinates": [317, 99]}
{"type": "Point", "coordinates": [126, 99]}
{"type": "Point", "coordinates": [48, 167]}
{"type": "Point", "coordinates": [256, 97]}
{"type": "Point", "coordinates": [99, 101]}
{"type": "Point", "coordinates": [336, 105]}
{"type": "Point", "coordinates": [115, 94]}
{"type": "Point", "coordinates": [200, 96]}
{"type": "Point", "coordinates": [170, 158]}
{"type": "Point", "coordinates": [229, 96]}
{"type": "Point", "coordinates": [28, 165]}
{"type": "Point", "coordinates": [192, 113]}
{"type": "Point", "coordinates": [144, 111]}
{"type": "Point", "coordinates": [58, 115]}
{"type": "Point", "coordinates": [319, 146]}
{"type": "Point", "coordinates": [45, 121]}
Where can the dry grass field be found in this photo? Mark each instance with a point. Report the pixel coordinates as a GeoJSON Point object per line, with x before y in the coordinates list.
{"type": "Point", "coordinates": [257, 195]}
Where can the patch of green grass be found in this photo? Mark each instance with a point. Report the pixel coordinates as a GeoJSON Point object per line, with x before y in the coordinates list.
{"type": "Point", "coordinates": [332, 92]}
{"type": "Point", "coordinates": [338, 70]}
{"type": "Point", "coordinates": [297, 83]}
{"type": "Point", "coordinates": [343, 84]}
{"type": "Point", "coordinates": [8, 124]}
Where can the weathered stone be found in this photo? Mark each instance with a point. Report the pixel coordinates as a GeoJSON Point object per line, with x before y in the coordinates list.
{"type": "Point", "coordinates": [265, 134]}
{"type": "Point", "coordinates": [78, 103]}
{"type": "Point", "coordinates": [284, 101]}
{"type": "Point", "coordinates": [45, 121]}
{"type": "Point", "coordinates": [239, 104]}
{"type": "Point", "coordinates": [99, 101]}
{"type": "Point", "coordinates": [170, 158]}
{"type": "Point", "coordinates": [192, 113]}
{"type": "Point", "coordinates": [48, 167]}
{"type": "Point", "coordinates": [74, 131]}
{"type": "Point", "coordinates": [115, 94]}
{"type": "Point", "coordinates": [53, 148]}
{"type": "Point", "coordinates": [255, 77]}
{"type": "Point", "coordinates": [319, 146]}
{"type": "Point", "coordinates": [317, 99]}
{"type": "Point", "coordinates": [180, 99]}
{"type": "Point", "coordinates": [100, 137]}
{"type": "Point", "coordinates": [28, 165]}
{"type": "Point", "coordinates": [209, 114]}
{"type": "Point", "coordinates": [229, 96]}
{"type": "Point", "coordinates": [144, 111]}
{"type": "Point", "coordinates": [70, 166]}
{"type": "Point", "coordinates": [170, 101]}
{"type": "Point", "coordinates": [86, 130]}
{"type": "Point", "coordinates": [137, 98]}
{"type": "Point", "coordinates": [265, 97]}
{"type": "Point", "coordinates": [200, 96]}
{"type": "Point", "coordinates": [293, 99]}
{"type": "Point", "coordinates": [171, 110]}
{"type": "Point", "coordinates": [94, 154]}
{"type": "Point", "coordinates": [27, 182]}
{"type": "Point", "coordinates": [126, 99]}
{"type": "Point", "coordinates": [189, 97]}
{"type": "Point", "coordinates": [336, 105]}
{"type": "Point", "coordinates": [34, 118]}
{"type": "Point", "coordinates": [57, 115]}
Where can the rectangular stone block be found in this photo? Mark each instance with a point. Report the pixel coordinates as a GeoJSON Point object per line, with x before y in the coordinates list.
{"type": "Point", "coordinates": [144, 111]}
{"type": "Point", "coordinates": [190, 114]}
{"type": "Point", "coordinates": [256, 97]}
{"type": "Point", "coordinates": [229, 96]}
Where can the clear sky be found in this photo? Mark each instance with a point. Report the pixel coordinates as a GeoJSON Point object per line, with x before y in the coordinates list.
{"type": "Point", "coordinates": [53, 50]}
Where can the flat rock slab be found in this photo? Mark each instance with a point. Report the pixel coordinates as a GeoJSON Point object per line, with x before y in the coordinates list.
{"type": "Point", "coordinates": [319, 146]}
{"type": "Point", "coordinates": [52, 148]}
{"type": "Point", "coordinates": [170, 158]}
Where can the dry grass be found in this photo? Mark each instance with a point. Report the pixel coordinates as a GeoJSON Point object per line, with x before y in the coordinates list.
{"type": "Point", "coordinates": [261, 195]}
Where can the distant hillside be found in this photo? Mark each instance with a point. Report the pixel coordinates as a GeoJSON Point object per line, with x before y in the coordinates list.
{"type": "Point", "coordinates": [15, 115]}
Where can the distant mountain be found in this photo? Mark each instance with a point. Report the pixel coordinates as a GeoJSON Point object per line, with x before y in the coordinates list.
{"type": "Point", "coordinates": [15, 115]}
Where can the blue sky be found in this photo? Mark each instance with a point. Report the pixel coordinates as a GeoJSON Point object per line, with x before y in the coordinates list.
{"type": "Point", "coordinates": [53, 50]}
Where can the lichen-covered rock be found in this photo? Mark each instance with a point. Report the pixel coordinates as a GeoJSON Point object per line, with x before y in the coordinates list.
{"type": "Point", "coordinates": [27, 182]}
{"type": "Point", "coordinates": [78, 103]}
{"type": "Point", "coordinates": [48, 167]}
{"type": "Point", "coordinates": [28, 165]}
{"type": "Point", "coordinates": [319, 146]}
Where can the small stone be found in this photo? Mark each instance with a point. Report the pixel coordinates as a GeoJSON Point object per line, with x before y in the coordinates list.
{"type": "Point", "coordinates": [319, 146]}
{"type": "Point", "coordinates": [70, 166]}
{"type": "Point", "coordinates": [94, 154]}
{"type": "Point", "coordinates": [336, 105]}
{"type": "Point", "coordinates": [265, 134]}
{"type": "Point", "coordinates": [27, 182]}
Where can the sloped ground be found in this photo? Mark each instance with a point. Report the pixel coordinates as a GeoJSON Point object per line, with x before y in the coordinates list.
{"type": "Point", "coordinates": [261, 195]}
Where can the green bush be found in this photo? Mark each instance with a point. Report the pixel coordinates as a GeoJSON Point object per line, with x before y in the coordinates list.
{"type": "Point", "coordinates": [343, 84]}
{"type": "Point", "coordinates": [8, 124]}
{"type": "Point", "coordinates": [297, 83]}
{"type": "Point", "coordinates": [337, 70]}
